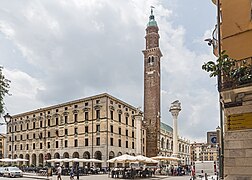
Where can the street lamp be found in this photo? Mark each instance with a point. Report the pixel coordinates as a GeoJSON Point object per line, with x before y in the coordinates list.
{"type": "Point", "coordinates": [8, 119]}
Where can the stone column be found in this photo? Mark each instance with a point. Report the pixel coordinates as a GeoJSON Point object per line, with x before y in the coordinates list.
{"type": "Point", "coordinates": [138, 122]}
{"type": "Point", "coordinates": [175, 109]}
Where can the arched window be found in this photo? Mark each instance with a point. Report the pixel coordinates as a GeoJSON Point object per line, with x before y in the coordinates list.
{"type": "Point", "coordinates": [149, 59]}
{"type": "Point", "coordinates": [162, 143]}
{"type": "Point", "coordinates": [152, 59]}
{"type": "Point", "coordinates": [167, 144]}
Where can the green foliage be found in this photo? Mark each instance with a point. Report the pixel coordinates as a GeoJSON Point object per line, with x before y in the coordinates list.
{"type": "Point", "coordinates": [4, 89]}
{"type": "Point", "coordinates": [225, 66]}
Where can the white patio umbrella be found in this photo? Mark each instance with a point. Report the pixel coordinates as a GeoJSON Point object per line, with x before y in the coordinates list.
{"type": "Point", "coordinates": [6, 160]}
{"type": "Point", "coordinates": [166, 158]}
{"type": "Point", "coordinates": [144, 159]}
{"type": "Point", "coordinates": [125, 158]}
{"type": "Point", "coordinates": [94, 160]}
{"type": "Point", "coordinates": [54, 160]}
{"type": "Point", "coordinates": [20, 160]}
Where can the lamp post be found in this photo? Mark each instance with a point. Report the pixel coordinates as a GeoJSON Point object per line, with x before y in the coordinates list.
{"type": "Point", "coordinates": [8, 119]}
{"type": "Point", "coordinates": [212, 42]}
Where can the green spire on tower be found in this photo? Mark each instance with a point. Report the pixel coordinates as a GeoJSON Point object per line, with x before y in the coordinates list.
{"type": "Point", "coordinates": [152, 21]}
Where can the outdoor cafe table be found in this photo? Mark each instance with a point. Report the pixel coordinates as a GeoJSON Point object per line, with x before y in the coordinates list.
{"type": "Point", "coordinates": [129, 173]}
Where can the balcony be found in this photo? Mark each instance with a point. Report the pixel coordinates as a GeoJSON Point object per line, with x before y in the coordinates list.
{"type": "Point", "coordinates": [238, 82]}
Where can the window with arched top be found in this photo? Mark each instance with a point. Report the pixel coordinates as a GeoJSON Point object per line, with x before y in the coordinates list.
{"type": "Point", "coordinates": [162, 143]}
{"type": "Point", "coordinates": [152, 59]}
{"type": "Point", "coordinates": [167, 144]}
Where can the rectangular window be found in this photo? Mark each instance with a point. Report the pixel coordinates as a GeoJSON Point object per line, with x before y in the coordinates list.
{"type": "Point", "coordinates": [86, 142]}
{"type": "Point", "coordinates": [33, 145]}
{"type": "Point", "coordinates": [127, 120]}
{"type": "Point", "coordinates": [98, 128]}
{"type": "Point", "coordinates": [57, 121]}
{"type": "Point", "coordinates": [97, 114]}
{"type": "Point", "coordinates": [127, 132]}
{"type": "Point", "coordinates": [133, 123]}
{"type": "Point", "coordinates": [34, 136]}
{"type": "Point", "coordinates": [75, 143]}
{"type": "Point", "coordinates": [127, 144]}
{"type": "Point", "coordinates": [48, 134]}
{"type": "Point", "coordinates": [27, 136]}
{"type": "Point", "coordinates": [21, 147]}
{"type": "Point", "coordinates": [27, 146]}
{"type": "Point", "coordinates": [86, 115]}
{"type": "Point", "coordinates": [9, 147]}
{"type": "Point", "coordinates": [75, 117]}
{"type": "Point", "coordinates": [86, 129]}
{"type": "Point", "coordinates": [119, 142]}
{"type": "Point", "coordinates": [119, 117]}
{"type": "Point", "coordinates": [40, 135]}
{"type": "Point", "coordinates": [76, 131]}
{"type": "Point", "coordinates": [133, 145]}
{"type": "Point", "coordinates": [40, 146]}
{"type": "Point", "coordinates": [111, 141]}
{"type": "Point", "coordinates": [48, 145]}
{"type": "Point", "coordinates": [111, 128]}
{"type": "Point", "coordinates": [57, 144]}
{"type": "Point", "coordinates": [66, 131]}
{"type": "Point", "coordinates": [111, 114]}
{"type": "Point", "coordinates": [133, 134]}
{"type": "Point", "coordinates": [66, 119]}
{"type": "Point", "coordinates": [119, 131]}
{"type": "Point", "coordinates": [15, 147]}
{"type": "Point", "coordinates": [27, 126]}
{"type": "Point", "coordinates": [65, 143]}
{"type": "Point", "coordinates": [21, 137]}
{"type": "Point", "coordinates": [48, 122]}
{"type": "Point", "coordinates": [98, 141]}
{"type": "Point", "coordinates": [34, 125]}
{"type": "Point", "coordinates": [21, 127]}
{"type": "Point", "coordinates": [41, 124]}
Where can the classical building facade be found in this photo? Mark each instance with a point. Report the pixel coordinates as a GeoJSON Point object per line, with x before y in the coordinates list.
{"type": "Point", "coordinates": [236, 94]}
{"type": "Point", "coordinates": [2, 146]}
{"type": "Point", "coordinates": [100, 127]}
{"type": "Point", "coordinates": [152, 55]}
{"type": "Point", "coordinates": [203, 152]}
{"type": "Point", "coordinates": [166, 145]}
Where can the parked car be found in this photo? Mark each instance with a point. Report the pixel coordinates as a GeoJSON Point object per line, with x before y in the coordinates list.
{"type": "Point", "coordinates": [1, 171]}
{"type": "Point", "coordinates": [12, 172]}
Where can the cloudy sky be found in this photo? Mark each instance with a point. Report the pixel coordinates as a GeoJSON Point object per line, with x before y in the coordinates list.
{"type": "Point", "coordinates": [56, 51]}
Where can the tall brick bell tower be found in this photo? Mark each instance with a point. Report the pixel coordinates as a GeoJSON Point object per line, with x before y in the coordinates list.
{"type": "Point", "coordinates": [152, 55]}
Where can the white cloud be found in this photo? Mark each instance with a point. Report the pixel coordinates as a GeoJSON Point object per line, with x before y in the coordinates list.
{"type": "Point", "coordinates": [76, 49]}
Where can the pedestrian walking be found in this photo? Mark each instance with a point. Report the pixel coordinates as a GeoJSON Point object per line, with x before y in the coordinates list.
{"type": "Point", "coordinates": [59, 171]}
{"type": "Point", "coordinates": [72, 173]}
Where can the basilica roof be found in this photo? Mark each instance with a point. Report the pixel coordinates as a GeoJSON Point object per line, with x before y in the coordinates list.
{"type": "Point", "coordinates": [166, 127]}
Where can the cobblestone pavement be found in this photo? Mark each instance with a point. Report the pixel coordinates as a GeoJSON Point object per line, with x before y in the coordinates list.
{"type": "Point", "coordinates": [95, 177]}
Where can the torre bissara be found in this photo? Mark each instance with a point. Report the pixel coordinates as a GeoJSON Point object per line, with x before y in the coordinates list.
{"type": "Point", "coordinates": [152, 55]}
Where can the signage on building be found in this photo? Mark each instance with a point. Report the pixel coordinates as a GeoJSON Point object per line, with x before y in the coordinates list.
{"type": "Point", "coordinates": [211, 138]}
{"type": "Point", "coordinates": [239, 121]}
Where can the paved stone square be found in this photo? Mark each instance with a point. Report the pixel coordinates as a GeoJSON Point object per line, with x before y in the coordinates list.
{"type": "Point", "coordinates": [98, 177]}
